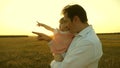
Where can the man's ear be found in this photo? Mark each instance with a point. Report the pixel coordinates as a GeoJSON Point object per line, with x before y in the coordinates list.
{"type": "Point", "coordinates": [76, 19]}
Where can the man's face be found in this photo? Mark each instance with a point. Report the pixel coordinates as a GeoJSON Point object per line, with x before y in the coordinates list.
{"type": "Point", "coordinates": [71, 24]}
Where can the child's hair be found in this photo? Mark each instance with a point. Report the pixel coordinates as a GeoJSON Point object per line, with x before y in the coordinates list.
{"type": "Point", "coordinates": [61, 20]}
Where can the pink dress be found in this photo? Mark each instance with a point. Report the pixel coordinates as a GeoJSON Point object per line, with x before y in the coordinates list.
{"type": "Point", "coordinates": [60, 42]}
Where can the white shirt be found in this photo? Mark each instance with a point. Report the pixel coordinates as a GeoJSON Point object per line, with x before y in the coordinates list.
{"type": "Point", "coordinates": [84, 52]}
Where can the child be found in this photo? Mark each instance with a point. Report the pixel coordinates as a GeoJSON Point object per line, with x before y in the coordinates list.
{"type": "Point", "coordinates": [61, 39]}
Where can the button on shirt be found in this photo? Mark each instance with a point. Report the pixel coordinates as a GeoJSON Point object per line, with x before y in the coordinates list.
{"type": "Point", "coordinates": [84, 51]}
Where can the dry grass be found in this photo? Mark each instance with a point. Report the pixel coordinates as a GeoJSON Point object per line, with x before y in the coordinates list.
{"type": "Point", "coordinates": [25, 52]}
{"type": "Point", "coordinates": [28, 52]}
{"type": "Point", "coordinates": [111, 49]}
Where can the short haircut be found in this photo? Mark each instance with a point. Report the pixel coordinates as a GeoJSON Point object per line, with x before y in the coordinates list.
{"type": "Point", "coordinates": [75, 10]}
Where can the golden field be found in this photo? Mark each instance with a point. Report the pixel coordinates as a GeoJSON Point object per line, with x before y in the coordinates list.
{"type": "Point", "coordinates": [28, 52]}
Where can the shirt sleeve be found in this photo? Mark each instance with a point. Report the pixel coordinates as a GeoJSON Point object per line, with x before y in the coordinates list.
{"type": "Point", "coordinates": [78, 57]}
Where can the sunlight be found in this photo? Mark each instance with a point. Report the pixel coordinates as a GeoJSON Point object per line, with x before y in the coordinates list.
{"type": "Point", "coordinates": [20, 16]}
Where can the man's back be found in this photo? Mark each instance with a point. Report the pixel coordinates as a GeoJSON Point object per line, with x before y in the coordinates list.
{"type": "Point", "coordinates": [84, 51]}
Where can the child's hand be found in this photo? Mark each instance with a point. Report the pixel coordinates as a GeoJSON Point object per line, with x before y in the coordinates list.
{"type": "Point", "coordinates": [39, 24]}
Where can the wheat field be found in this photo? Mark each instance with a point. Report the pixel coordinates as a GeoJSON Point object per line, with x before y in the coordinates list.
{"type": "Point", "coordinates": [28, 52]}
{"type": "Point", "coordinates": [111, 49]}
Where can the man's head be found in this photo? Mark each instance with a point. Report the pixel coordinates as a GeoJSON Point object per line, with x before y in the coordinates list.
{"type": "Point", "coordinates": [76, 16]}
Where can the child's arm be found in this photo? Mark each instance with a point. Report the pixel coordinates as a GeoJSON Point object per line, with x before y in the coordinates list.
{"type": "Point", "coordinates": [46, 26]}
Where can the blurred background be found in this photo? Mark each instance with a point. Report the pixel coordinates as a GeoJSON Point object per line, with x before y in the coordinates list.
{"type": "Point", "coordinates": [18, 17]}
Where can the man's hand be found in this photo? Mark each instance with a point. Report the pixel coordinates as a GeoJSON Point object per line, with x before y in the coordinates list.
{"type": "Point", "coordinates": [42, 36]}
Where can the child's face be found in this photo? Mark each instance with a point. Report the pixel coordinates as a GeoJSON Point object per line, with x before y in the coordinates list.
{"type": "Point", "coordinates": [63, 26]}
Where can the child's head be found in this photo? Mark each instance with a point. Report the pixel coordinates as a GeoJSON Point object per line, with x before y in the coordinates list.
{"type": "Point", "coordinates": [63, 26]}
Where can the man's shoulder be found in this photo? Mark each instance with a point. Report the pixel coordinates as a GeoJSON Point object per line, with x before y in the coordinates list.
{"type": "Point", "coordinates": [88, 39]}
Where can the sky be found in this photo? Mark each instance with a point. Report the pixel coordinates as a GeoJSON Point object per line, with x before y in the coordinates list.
{"type": "Point", "coordinates": [18, 17]}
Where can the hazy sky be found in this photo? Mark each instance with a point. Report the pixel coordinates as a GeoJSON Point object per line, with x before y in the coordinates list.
{"type": "Point", "coordinates": [19, 16]}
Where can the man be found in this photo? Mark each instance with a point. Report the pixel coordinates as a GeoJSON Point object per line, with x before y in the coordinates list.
{"type": "Point", "coordinates": [85, 49]}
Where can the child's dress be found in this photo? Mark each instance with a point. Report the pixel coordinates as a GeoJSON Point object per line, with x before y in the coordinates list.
{"type": "Point", "coordinates": [60, 42]}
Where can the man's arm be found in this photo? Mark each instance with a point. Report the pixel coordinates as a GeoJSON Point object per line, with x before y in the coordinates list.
{"type": "Point", "coordinates": [45, 26]}
{"type": "Point", "coordinates": [78, 57]}
{"type": "Point", "coordinates": [42, 36]}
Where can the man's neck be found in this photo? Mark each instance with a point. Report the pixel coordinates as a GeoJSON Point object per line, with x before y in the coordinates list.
{"type": "Point", "coordinates": [82, 28]}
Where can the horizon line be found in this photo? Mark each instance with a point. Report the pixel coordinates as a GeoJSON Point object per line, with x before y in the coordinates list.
{"type": "Point", "coordinates": [30, 35]}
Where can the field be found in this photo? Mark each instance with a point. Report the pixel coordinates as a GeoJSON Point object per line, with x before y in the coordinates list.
{"type": "Point", "coordinates": [111, 49]}
{"type": "Point", "coordinates": [28, 52]}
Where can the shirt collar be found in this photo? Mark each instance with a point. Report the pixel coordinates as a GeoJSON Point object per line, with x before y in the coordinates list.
{"type": "Point", "coordinates": [85, 31]}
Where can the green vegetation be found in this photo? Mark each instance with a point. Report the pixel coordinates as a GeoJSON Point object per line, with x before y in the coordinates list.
{"type": "Point", "coordinates": [28, 52]}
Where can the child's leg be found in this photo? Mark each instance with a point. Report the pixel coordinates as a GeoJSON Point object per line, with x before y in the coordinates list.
{"type": "Point", "coordinates": [58, 57]}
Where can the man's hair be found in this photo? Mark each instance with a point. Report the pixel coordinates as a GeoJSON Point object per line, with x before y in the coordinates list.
{"type": "Point", "coordinates": [75, 10]}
